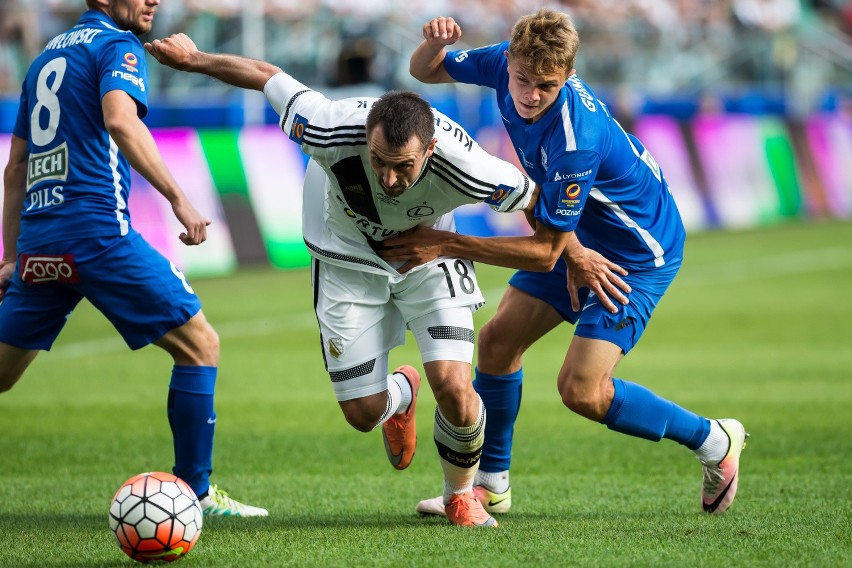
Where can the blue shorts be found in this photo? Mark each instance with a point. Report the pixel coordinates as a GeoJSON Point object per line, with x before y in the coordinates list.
{"type": "Point", "coordinates": [594, 321]}
{"type": "Point", "coordinates": [139, 291]}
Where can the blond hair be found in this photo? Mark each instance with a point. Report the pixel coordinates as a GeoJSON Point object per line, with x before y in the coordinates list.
{"type": "Point", "coordinates": [546, 42]}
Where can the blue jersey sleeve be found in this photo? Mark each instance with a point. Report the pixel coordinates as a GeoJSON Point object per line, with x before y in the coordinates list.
{"type": "Point", "coordinates": [564, 194]}
{"type": "Point", "coordinates": [483, 66]}
{"type": "Point", "coordinates": [121, 65]}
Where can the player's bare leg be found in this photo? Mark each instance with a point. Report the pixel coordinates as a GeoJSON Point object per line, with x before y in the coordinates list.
{"type": "Point", "coordinates": [13, 362]}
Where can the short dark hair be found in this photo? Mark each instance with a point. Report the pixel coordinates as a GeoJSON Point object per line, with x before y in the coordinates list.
{"type": "Point", "coordinates": [401, 114]}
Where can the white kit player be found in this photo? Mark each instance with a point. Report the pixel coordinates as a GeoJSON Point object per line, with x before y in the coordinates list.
{"type": "Point", "coordinates": [378, 168]}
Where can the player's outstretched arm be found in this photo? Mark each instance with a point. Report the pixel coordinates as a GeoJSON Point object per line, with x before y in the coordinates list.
{"type": "Point", "coordinates": [14, 193]}
{"type": "Point", "coordinates": [179, 52]}
{"type": "Point", "coordinates": [136, 143]}
{"type": "Point", "coordinates": [538, 252]}
{"type": "Point", "coordinates": [427, 61]}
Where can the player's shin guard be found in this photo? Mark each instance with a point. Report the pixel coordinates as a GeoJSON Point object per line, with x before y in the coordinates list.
{"type": "Point", "coordinates": [639, 412]}
{"type": "Point", "coordinates": [501, 395]}
{"type": "Point", "coordinates": [459, 449]}
{"type": "Point", "coordinates": [193, 421]}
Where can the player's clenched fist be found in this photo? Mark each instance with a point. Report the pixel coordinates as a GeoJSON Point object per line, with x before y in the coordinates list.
{"type": "Point", "coordinates": [177, 51]}
{"type": "Point", "coordinates": [441, 31]}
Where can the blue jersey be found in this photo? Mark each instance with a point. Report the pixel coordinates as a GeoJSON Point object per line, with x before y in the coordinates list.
{"type": "Point", "coordinates": [595, 178]}
{"type": "Point", "coordinates": [78, 182]}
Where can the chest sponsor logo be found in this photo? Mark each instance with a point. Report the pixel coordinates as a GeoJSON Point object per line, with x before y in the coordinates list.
{"type": "Point", "coordinates": [41, 268]}
{"type": "Point", "coordinates": [50, 165]}
{"type": "Point", "coordinates": [420, 211]}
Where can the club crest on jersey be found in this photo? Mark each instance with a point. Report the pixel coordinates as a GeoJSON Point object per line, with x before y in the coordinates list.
{"type": "Point", "coordinates": [543, 159]}
{"type": "Point", "coordinates": [297, 129]}
{"type": "Point", "coordinates": [41, 268]}
{"type": "Point", "coordinates": [499, 196]}
{"type": "Point", "coordinates": [335, 347]}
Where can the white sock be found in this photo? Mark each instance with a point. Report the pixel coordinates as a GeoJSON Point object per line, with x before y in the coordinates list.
{"type": "Point", "coordinates": [496, 482]}
{"type": "Point", "coordinates": [460, 442]}
{"type": "Point", "coordinates": [399, 397]}
{"type": "Point", "coordinates": [715, 447]}
{"type": "Point", "coordinates": [402, 389]}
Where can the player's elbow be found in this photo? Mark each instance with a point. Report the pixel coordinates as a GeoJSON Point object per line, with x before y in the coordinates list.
{"type": "Point", "coordinates": [545, 259]}
{"type": "Point", "coordinates": [423, 74]}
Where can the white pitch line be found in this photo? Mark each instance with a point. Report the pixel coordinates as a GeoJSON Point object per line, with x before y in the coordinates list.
{"type": "Point", "coordinates": [711, 275]}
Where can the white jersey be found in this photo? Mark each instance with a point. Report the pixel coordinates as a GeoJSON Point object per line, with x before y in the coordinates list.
{"type": "Point", "coordinates": [345, 215]}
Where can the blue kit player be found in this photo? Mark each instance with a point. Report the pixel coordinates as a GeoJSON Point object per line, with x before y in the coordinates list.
{"type": "Point", "coordinates": [67, 233]}
{"type": "Point", "coordinates": [608, 241]}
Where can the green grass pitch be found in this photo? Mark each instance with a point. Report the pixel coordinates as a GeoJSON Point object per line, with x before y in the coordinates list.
{"type": "Point", "coordinates": [757, 326]}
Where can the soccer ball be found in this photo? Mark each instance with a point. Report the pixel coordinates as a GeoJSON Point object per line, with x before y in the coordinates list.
{"type": "Point", "coordinates": [155, 517]}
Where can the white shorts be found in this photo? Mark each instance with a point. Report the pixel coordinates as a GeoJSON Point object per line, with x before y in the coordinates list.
{"type": "Point", "coordinates": [362, 316]}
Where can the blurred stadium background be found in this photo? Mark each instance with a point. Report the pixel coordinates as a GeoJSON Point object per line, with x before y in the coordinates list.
{"type": "Point", "coordinates": [746, 104]}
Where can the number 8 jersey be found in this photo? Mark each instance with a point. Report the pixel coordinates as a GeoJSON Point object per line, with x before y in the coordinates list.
{"type": "Point", "coordinates": [78, 182]}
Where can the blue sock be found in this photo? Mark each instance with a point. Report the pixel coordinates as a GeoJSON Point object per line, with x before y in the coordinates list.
{"type": "Point", "coordinates": [639, 412]}
{"type": "Point", "coordinates": [193, 421]}
{"type": "Point", "coordinates": [501, 395]}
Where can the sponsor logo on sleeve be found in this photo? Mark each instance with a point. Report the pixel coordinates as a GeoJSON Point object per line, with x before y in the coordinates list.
{"type": "Point", "coordinates": [570, 200]}
{"type": "Point", "coordinates": [499, 196]}
{"type": "Point", "coordinates": [297, 129]}
{"type": "Point", "coordinates": [42, 268]}
{"type": "Point", "coordinates": [131, 62]}
{"type": "Point", "coordinates": [130, 78]}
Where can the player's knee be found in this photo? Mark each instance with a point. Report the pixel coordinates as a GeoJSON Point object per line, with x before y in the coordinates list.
{"type": "Point", "coordinates": [205, 346]}
{"type": "Point", "coordinates": [458, 402]}
{"type": "Point", "coordinates": [363, 417]}
{"type": "Point", "coordinates": [496, 346]}
{"type": "Point", "coordinates": [582, 399]}
{"type": "Point", "coordinates": [7, 380]}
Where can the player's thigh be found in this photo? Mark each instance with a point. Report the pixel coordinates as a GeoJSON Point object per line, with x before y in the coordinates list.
{"type": "Point", "coordinates": [33, 313]}
{"type": "Point", "coordinates": [141, 292]}
{"type": "Point", "coordinates": [358, 327]}
{"type": "Point", "coordinates": [626, 326]}
{"type": "Point", "coordinates": [550, 288]}
{"type": "Point", "coordinates": [520, 321]}
{"type": "Point", "coordinates": [13, 363]}
{"type": "Point", "coordinates": [193, 343]}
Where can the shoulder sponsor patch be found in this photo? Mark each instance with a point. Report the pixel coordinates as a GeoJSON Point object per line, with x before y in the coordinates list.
{"type": "Point", "coordinates": [569, 201]}
{"type": "Point", "coordinates": [297, 129]}
{"type": "Point", "coordinates": [499, 196]}
{"type": "Point", "coordinates": [131, 62]}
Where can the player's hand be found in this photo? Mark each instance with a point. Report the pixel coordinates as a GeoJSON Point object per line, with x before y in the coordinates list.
{"type": "Point", "coordinates": [7, 270]}
{"type": "Point", "coordinates": [413, 247]}
{"type": "Point", "coordinates": [590, 269]}
{"type": "Point", "coordinates": [441, 31]}
{"type": "Point", "coordinates": [177, 51]}
{"type": "Point", "coordinates": [193, 221]}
